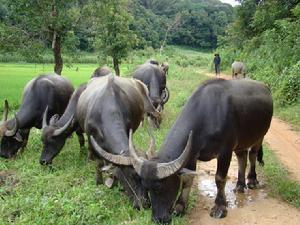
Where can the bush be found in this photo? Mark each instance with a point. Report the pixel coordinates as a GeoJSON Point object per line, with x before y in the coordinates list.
{"type": "Point", "coordinates": [289, 90]}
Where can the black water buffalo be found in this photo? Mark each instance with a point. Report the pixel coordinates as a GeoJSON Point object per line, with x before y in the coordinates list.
{"type": "Point", "coordinates": [49, 90]}
{"type": "Point", "coordinates": [108, 108]}
{"type": "Point", "coordinates": [54, 135]}
{"type": "Point", "coordinates": [221, 117]}
{"type": "Point", "coordinates": [101, 71]}
{"type": "Point", "coordinates": [154, 77]}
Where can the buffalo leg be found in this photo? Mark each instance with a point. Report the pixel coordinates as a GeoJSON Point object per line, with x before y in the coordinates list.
{"type": "Point", "coordinates": [242, 162]}
{"type": "Point", "coordinates": [219, 210]}
{"type": "Point", "coordinates": [80, 138]}
{"type": "Point", "coordinates": [252, 177]}
{"type": "Point", "coordinates": [25, 135]}
{"type": "Point", "coordinates": [184, 196]}
{"type": "Point", "coordinates": [99, 174]}
{"type": "Point", "coordinates": [91, 155]}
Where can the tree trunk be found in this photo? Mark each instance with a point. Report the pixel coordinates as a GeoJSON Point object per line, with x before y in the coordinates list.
{"type": "Point", "coordinates": [56, 47]}
{"type": "Point", "coordinates": [116, 66]}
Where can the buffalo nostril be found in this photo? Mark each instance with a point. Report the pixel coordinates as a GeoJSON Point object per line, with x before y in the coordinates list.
{"type": "Point", "coordinates": [43, 162]}
{"type": "Point", "coordinates": [6, 156]}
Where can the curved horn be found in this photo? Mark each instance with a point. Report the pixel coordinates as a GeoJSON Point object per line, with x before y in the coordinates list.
{"type": "Point", "coordinates": [115, 159]}
{"type": "Point", "coordinates": [166, 95]}
{"type": "Point", "coordinates": [137, 162]}
{"type": "Point", "coordinates": [166, 169]}
{"type": "Point", "coordinates": [45, 118]}
{"type": "Point", "coordinates": [5, 111]}
{"type": "Point", "coordinates": [14, 130]}
{"type": "Point", "coordinates": [151, 150]}
{"type": "Point", "coordinates": [59, 131]}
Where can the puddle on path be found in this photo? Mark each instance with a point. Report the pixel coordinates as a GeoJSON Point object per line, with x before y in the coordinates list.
{"type": "Point", "coordinates": [207, 187]}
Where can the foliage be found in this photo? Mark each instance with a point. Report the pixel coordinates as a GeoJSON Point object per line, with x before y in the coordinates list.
{"type": "Point", "coordinates": [271, 49]}
{"type": "Point", "coordinates": [43, 22]}
{"type": "Point", "coordinates": [278, 180]}
{"type": "Point", "coordinates": [114, 39]}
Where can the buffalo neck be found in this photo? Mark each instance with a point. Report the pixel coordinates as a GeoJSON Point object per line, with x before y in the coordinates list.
{"type": "Point", "coordinates": [177, 137]}
{"type": "Point", "coordinates": [71, 108]}
{"type": "Point", "coordinates": [27, 116]}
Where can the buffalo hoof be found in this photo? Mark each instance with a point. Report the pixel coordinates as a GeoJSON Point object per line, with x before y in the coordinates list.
{"type": "Point", "coordinates": [240, 188]}
{"type": "Point", "coordinates": [179, 210]}
{"type": "Point", "coordinates": [252, 184]}
{"type": "Point", "coordinates": [218, 211]}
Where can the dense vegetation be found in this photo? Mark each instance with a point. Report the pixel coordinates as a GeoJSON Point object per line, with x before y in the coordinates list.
{"type": "Point", "coordinates": [110, 28]}
{"type": "Point", "coordinates": [265, 34]}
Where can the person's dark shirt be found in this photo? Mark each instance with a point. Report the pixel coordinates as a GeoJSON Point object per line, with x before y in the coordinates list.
{"type": "Point", "coordinates": [217, 60]}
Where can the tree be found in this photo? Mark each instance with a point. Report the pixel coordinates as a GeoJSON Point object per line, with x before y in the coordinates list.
{"type": "Point", "coordinates": [48, 22]}
{"type": "Point", "coordinates": [113, 36]}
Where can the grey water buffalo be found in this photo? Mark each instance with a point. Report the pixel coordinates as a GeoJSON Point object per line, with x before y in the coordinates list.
{"type": "Point", "coordinates": [238, 68]}
{"type": "Point", "coordinates": [220, 118]}
{"type": "Point", "coordinates": [55, 134]}
{"type": "Point", "coordinates": [101, 71]}
{"type": "Point", "coordinates": [108, 108]}
{"type": "Point", "coordinates": [49, 90]}
{"type": "Point", "coordinates": [154, 77]}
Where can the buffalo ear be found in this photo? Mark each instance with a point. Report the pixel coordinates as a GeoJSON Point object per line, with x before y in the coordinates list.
{"type": "Point", "coordinates": [187, 172]}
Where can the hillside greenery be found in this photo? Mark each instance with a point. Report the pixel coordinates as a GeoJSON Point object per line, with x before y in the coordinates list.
{"type": "Point", "coordinates": [80, 24]}
{"type": "Point", "coordinates": [265, 35]}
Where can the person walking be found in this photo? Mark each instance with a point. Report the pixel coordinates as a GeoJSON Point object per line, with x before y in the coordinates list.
{"type": "Point", "coordinates": [217, 62]}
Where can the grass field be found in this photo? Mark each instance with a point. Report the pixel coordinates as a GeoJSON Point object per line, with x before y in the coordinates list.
{"type": "Point", "coordinates": [66, 193]}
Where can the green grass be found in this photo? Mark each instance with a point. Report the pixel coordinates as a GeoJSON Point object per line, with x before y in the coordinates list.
{"type": "Point", "coordinates": [290, 113]}
{"type": "Point", "coordinates": [279, 181]}
{"type": "Point", "coordinates": [67, 193]}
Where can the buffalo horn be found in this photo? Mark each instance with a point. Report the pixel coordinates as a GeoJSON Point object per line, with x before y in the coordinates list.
{"type": "Point", "coordinates": [13, 131]}
{"type": "Point", "coordinates": [59, 131]}
{"type": "Point", "coordinates": [45, 118]}
{"type": "Point", "coordinates": [166, 169]}
{"type": "Point", "coordinates": [137, 162]}
{"type": "Point", "coordinates": [115, 159]}
{"type": "Point", "coordinates": [151, 150]}
{"type": "Point", "coordinates": [166, 95]}
{"type": "Point", "coordinates": [159, 108]}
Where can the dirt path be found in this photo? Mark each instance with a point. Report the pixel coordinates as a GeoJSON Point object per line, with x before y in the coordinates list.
{"type": "Point", "coordinates": [254, 206]}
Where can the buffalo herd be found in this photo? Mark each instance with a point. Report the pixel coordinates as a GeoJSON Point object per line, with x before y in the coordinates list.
{"type": "Point", "coordinates": [221, 117]}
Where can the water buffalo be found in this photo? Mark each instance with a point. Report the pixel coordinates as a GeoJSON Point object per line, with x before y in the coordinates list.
{"type": "Point", "coordinates": [238, 68]}
{"type": "Point", "coordinates": [154, 77]}
{"type": "Point", "coordinates": [221, 117]}
{"type": "Point", "coordinates": [108, 108]}
{"type": "Point", "coordinates": [54, 135]}
{"type": "Point", "coordinates": [101, 71]}
{"type": "Point", "coordinates": [49, 90]}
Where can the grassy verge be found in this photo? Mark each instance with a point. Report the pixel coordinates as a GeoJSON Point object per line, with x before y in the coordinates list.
{"type": "Point", "coordinates": [279, 181]}
{"type": "Point", "coordinates": [66, 193]}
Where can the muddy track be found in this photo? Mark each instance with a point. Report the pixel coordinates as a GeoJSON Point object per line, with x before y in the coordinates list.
{"type": "Point", "coordinates": [254, 206]}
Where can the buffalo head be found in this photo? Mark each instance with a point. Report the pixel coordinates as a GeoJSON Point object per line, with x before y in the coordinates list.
{"type": "Point", "coordinates": [53, 137]}
{"type": "Point", "coordinates": [126, 175]}
{"type": "Point", "coordinates": [11, 137]}
{"type": "Point", "coordinates": [162, 179]}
